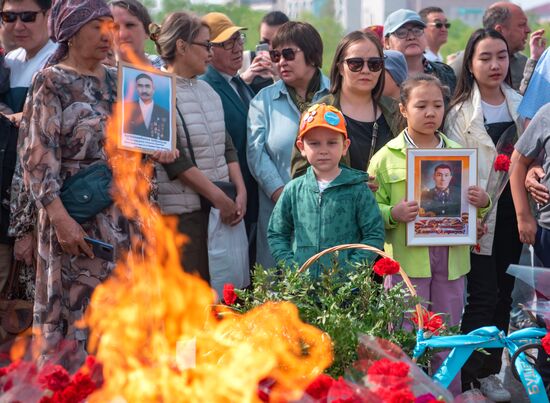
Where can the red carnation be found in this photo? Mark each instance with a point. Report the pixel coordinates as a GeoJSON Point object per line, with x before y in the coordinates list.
{"type": "Point", "coordinates": [502, 163]}
{"type": "Point", "coordinates": [433, 322]}
{"type": "Point", "coordinates": [403, 395]}
{"type": "Point", "coordinates": [342, 392]}
{"type": "Point", "coordinates": [318, 389]}
{"type": "Point", "coordinates": [546, 343]}
{"type": "Point", "coordinates": [229, 295]}
{"type": "Point", "coordinates": [54, 377]}
{"type": "Point", "coordinates": [386, 266]}
{"type": "Point", "coordinates": [389, 368]}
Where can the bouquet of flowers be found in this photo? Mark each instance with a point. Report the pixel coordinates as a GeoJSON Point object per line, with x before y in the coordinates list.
{"type": "Point", "coordinates": [23, 381]}
{"type": "Point", "coordinates": [383, 374]}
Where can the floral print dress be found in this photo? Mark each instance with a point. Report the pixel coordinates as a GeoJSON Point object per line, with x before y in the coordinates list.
{"type": "Point", "coordinates": [62, 132]}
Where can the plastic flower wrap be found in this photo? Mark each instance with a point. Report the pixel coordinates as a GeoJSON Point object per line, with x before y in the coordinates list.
{"type": "Point", "coordinates": [390, 374]}
{"type": "Point", "coordinates": [24, 381]}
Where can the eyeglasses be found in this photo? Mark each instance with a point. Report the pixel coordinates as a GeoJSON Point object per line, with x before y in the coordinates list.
{"type": "Point", "coordinates": [356, 64]}
{"type": "Point", "coordinates": [403, 33]}
{"type": "Point", "coordinates": [440, 25]}
{"type": "Point", "coordinates": [231, 42]}
{"type": "Point", "coordinates": [208, 45]}
{"type": "Point", "coordinates": [24, 16]}
{"type": "Point", "coordinates": [288, 53]}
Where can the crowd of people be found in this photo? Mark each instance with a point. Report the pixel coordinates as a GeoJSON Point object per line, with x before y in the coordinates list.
{"type": "Point", "coordinates": [314, 161]}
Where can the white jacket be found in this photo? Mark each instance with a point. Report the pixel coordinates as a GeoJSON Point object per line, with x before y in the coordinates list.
{"type": "Point", "coordinates": [465, 125]}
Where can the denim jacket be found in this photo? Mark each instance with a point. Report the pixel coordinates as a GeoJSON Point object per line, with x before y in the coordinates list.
{"type": "Point", "coordinates": [273, 122]}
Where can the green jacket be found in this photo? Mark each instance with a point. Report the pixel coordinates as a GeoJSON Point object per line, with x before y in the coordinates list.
{"type": "Point", "coordinates": [390, 110]}
{"type": "Point", "coordinates": [389, 166]}
{"type": "Point", "coordinates": [305, 221]}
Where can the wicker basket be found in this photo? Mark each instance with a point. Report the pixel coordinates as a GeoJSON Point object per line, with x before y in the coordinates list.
{"type": "Point", "coordinates": [406, 279]}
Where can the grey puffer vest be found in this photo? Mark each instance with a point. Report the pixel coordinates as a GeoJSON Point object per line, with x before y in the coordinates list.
{"type": "Point", "coordinates": [202, 111]}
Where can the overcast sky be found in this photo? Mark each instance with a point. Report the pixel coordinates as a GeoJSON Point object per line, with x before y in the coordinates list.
{"type": "Point", "coordinates": [530, 3]}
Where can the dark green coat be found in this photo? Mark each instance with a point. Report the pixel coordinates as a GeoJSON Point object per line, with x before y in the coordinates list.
{"type": "Point", "coordinates": [305, 221]}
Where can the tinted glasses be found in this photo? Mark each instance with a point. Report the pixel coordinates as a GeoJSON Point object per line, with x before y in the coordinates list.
{"type": "Point", "coordinates": [403, 33]}
{"type": "Point", "coordinates": [24, 16]}
{"type": "Point", "coordinates": [229, 44]}
{"type": "Point", "coordinates": [440, 24]}
{"type": "Point", "coordinates": [356, 64]}
{"type": "Point", "coordinates": [208, 45]}
{"type": "Point", "coordinates": [288, 53]}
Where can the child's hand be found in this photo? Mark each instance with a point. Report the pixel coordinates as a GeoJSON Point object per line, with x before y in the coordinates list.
{"type": "Point", "coordinates": [373, 184]}
{"type": "Point", "coordinates": [527, 227]}
{"type": "Point", "coordinates": [405, 211]}
{"type": "Point", "coordinates": [478, 197]}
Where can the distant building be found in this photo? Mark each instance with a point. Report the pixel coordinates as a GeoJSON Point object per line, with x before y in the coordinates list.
{"type": "Point", "coordinates": [541, 13]}
{"type": "Point", "coordinates": [357, 14]}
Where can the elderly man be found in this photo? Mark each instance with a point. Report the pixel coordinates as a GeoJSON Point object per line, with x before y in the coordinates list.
{"type": "Point", "coordinates": [222, 75]}
{"type": "Point", "coordinates": [510, 20]}
{"type": "Point", "coordinates": [436, 31]}
{"type": "Point", "coordinates": [25, 25]}
{"type": "Point", "coordinates": [404, 32]}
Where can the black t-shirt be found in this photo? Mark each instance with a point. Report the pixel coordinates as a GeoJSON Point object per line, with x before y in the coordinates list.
{"type": "Point", "coordinates": [495, 131]}
{"type": "Point", "coordinates": [360, 134]}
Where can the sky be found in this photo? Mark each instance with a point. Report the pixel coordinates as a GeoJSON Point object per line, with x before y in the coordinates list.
{"type": "Point", "coordinates": [530, 3]}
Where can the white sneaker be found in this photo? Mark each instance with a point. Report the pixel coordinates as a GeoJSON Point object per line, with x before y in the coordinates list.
{"type": "Point", "coordinates": [493, 389]}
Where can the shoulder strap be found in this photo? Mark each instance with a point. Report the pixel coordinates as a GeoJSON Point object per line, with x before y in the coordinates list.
{"type": "Point", "coordinates": [192, 154]}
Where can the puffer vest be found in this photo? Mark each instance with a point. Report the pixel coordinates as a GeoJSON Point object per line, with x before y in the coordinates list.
{"type": "Point", "coordinates": [202, 111]}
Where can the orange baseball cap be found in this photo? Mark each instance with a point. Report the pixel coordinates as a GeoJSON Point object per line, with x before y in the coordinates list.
{"type": "Point", "coordinates": [322, 115]}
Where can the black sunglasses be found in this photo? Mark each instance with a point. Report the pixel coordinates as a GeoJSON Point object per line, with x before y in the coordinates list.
{"type": "Point", "coordinates": [288, 53]}
{"type": "Point", "coordinates": [356, 64]}
{"type": "Point", "coordinates": [238, 37]}
{"type": "Point", "coordinates": [440, 25]}
{"type": "Point", "coordinates": [24, 16]}
{"type": "Point", "coordinates": [208, 45]}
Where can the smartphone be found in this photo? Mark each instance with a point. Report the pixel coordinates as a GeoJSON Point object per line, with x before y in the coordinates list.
{"type": "Point", "coordinates": [101, 249]}
{"type": "Point", "coordinates": [262, 47]}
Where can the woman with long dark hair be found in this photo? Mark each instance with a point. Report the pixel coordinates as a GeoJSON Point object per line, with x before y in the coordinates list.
{"type": "Point", "coordinates": [357, 80]}
{"type": "Point", "coordinates": [483, 109]}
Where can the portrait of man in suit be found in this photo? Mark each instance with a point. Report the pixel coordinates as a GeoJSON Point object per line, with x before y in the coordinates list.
{"type": "Point", "coordinates": [442, 200]}
{"type": "Point", "coordinates": [145, 117]}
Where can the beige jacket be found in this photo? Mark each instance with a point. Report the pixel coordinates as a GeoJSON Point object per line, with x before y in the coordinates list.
{"type": "Point", "coordinates": [202, 111]}
{"type": "Point", "coordinates": [465, 125]}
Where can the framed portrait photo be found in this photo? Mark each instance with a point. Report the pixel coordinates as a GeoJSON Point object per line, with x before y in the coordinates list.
{"type": "Point", "coordinates": [147, 100]}
{"type": "Point", "coordinates": [438, 179]}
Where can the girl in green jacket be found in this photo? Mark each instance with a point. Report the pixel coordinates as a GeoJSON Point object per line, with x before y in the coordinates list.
{"type": "Point", "coordinates": [436, 271]}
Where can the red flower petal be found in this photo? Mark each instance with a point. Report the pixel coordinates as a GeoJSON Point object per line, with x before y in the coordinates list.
{"type": "Point", "coordinates": [386, 266]}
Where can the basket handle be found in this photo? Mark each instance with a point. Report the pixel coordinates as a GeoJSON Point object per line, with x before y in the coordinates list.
{"type": "Point", "coordinates": [379, 252]}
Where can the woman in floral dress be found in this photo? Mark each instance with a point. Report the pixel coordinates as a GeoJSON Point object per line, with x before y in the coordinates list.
{"type": "Point", "coordinates": [63, 132]}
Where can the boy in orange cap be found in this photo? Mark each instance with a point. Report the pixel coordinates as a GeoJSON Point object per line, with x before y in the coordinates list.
{"type": "Point", "coordinates": [330, 205]}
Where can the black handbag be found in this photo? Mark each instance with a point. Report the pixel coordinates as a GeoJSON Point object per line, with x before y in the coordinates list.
{"type": "Point", "coordinates": [87, 192]}
{"type": "Point", "coordinates": [227, 187]}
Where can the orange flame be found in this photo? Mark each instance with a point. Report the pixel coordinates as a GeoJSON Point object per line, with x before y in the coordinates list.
{"type": "Point", "coordinates": [143, 315]}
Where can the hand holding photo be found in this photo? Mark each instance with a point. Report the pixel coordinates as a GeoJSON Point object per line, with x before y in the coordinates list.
{"type": "Point", "coordinates": [439, 180]}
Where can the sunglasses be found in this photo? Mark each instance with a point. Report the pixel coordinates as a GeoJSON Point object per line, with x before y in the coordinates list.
{"type": "Point", "coordinates": [208, 45]}
{"type": "Point", "coordinates": [288, 54]}
{"type": "Point", "coordinates": [24, 16]}
{"type": "Point", "coordinates": [356, 64]}
{"type": "Point", "coordinates": [229, 44]}
{"type": "Point", "coordinates": [403, 33]}
{"type": "Point", "coordinates": [440, 25]}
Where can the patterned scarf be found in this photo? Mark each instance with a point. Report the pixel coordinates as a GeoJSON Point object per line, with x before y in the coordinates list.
{"type": "Point", "coordinates": [66, 19]}
{"type": "Point", "coordinates": [312, 88]}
